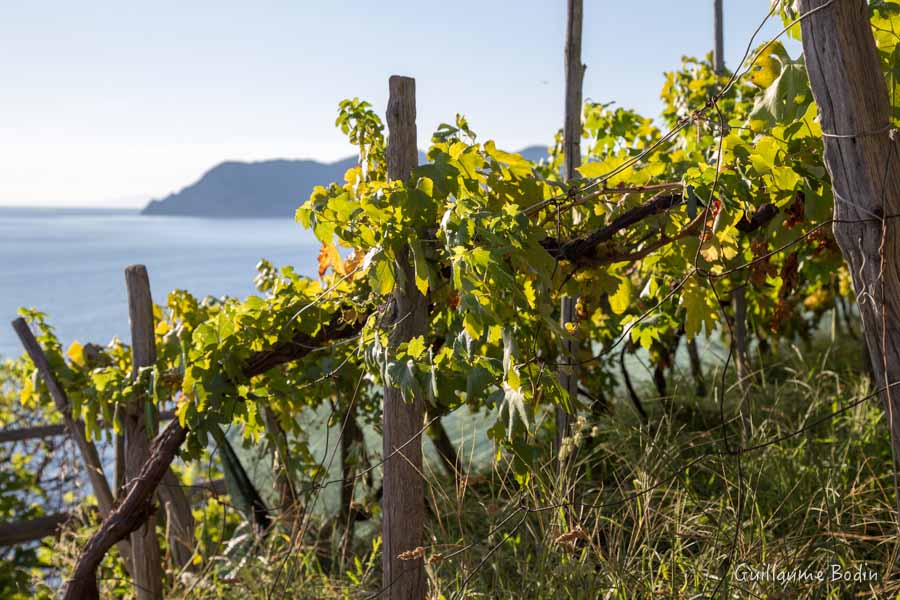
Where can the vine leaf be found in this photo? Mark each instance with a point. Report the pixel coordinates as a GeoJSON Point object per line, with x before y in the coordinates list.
{"type": "Point", "coordinates": [381, 276]}
{"type": "Point", "coordinates": [403, 375]}
{"type": "Point", "coordinates": [699, 308]}
{"type": "Point", "coordinates": [75, 353]}
{"type": "Point", "coordinates": [415, 347]}
{"type": "Point", "coordinates": [421, 267]}
{"type": "Point", "coordinates": [787, 95]}
{"type": "Point", "coordinates": [621, 299]}
{"type": "Point", "coordinates": [329, 257]}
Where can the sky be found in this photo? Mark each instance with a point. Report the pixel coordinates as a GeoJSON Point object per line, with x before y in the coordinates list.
{"type": "Point", "coordinates": [109, 104]}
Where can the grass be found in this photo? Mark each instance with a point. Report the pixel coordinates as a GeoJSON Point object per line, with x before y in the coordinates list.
{"type": "Point", "coordinates": [661, 509]}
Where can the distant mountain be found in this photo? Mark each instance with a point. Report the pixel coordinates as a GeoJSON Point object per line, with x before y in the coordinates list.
{"type": "Point", "coordinates": [270, 188]}
{"type": "Point", "coordinates": [534, 153]}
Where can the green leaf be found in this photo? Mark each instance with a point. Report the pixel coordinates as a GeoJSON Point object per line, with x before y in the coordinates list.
{"type": "Point", "coordinates": [426, 186]}
{"type": "Point", "coordinates": [787, 98]}
{"type": "Point", "coordinates": [700, 310]}
{"type": "Point", "coordinates": [416, 347]}
{"type": "Point", "coordinates": [477, 381]}
{"type": "Point", "coordinates": [150, 418]}
{"type": "Point", "coordinates": [205, 336]}
{"type": "Point", "coordinates": [404, 376]}
{"type": "Point", "coordinates": [479, 257]}
{"type": "Point", "coordinates": [473, 326]}
{"type": "Point", "coordinates": [420, 265]}
{"type": "Point", "coordinates": [785, 178]}
{"type": "Point", "coordinates": [593, 169]}
{"type": "Point", "coordinates": [530, 294]}
{"type": "Point", "coordinates": [763, 156]}
{"type": "Point", "coordinates": [381, 276]}
{"type": "Point", "coordinates": [620, 301]}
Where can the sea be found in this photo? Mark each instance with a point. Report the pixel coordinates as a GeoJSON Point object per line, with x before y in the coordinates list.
{"type": "Point", "coordinates": [70, 263]}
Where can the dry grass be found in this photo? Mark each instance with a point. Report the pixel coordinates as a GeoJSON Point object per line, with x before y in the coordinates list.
{"type": "Point", "coordinates": [659, 511]}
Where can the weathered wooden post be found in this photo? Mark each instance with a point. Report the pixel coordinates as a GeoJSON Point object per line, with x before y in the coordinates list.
{"type": "Point", "coordinates": [144, 544]}
{"type": "Point", "coordinates": [568, 373]}
{"type": "Point", "coordinates": [404, 490]}
{"type": "Point", "coordinates": [739, 340]}
{"type": "Point", "coordinates": [719, 37]}
{"type": "Point", "coordinates": [75, 428]}
{"type": "Point", "coordinates": [863, 159]}
{"type": "Point", "coordinates": [738, 297]}
{"type": "Point", "coordinates": [180, 519]}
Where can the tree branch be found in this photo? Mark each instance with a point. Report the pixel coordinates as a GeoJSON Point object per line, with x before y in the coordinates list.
{"type": "Point", "coordinates": [300, 345]}
{"type": "Point", "coordinates": [583, 250]}
{"type": "Point", "coordinates": [127, 516]}
{"type": "Point", "coordinates": [137, 505]}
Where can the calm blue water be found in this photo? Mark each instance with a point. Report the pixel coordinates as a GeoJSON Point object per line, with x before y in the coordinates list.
{"type": "Point", "coordinates": [70, 263]}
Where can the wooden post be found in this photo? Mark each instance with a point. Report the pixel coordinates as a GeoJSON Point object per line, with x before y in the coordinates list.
{"type": "Point", "coordinates": [568, 374]}
{"type": "Point", "coordinates": [404, 490]}
{"type": "Point", "coordinates": [180, 519]}
{"type": "Point", "coordinates": [863, 159]}
{"type": "Point", "coordinates": [144, 544]}
{"type": "Point", "coordinates": [719, 36]}
{"type": "Point", "coordinates": [75, 428]}
{"type": "Point", "coordinates": [738, 296]}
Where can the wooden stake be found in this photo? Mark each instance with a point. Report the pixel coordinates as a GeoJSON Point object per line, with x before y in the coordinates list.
{"type": "Point", "coordinates": [404, 490]}
{"type": "Point", "coordinates": [143, 343]}
{"type": "Point", "coordinates": [145, 553]}
{"type": "Point", "coordinates": [32, 433]}
{"type": "Point", "coordinates": [568, 375]}
{"type": "Point", "coordinates": [719, 36]}
{"type": "Point", "coordinates": [741, 362]}
{"type": "Point", "coordinates": [862, 155]}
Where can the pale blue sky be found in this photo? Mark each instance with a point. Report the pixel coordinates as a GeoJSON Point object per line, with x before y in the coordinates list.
{"type": "Point", "coordinates": [111, 103]}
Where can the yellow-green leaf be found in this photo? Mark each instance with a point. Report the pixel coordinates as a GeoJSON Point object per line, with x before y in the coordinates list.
{"type": "Point", "coordinates": [76, 353]}
{"type": "Point", "coordinates": [530, 294]}
{"type": "Point", "coordinates": [622, 298]}
{"type": "Point", "coordinates": [416, 347]}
